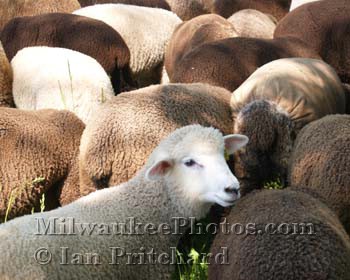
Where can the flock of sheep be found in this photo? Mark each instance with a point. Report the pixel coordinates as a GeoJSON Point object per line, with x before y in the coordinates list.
{"type": "Point", "coordinates": [146, 108]}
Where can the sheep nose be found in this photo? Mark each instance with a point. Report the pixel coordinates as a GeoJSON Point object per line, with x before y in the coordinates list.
{"type": "Point", "coordinates": [232, 190]}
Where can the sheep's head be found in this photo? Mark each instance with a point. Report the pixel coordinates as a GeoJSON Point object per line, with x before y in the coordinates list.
{"type": "Point", "coordinates": [193, 159]}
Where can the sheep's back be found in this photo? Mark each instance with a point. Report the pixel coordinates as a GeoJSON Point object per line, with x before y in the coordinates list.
{"type": "Point", "coordinates": [121, 137]}
{"type": "Point", "coordinates": [293, 253]}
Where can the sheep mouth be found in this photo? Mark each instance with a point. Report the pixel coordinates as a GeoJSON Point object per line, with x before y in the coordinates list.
{"type": "Point", "coordinates": [225, 202]}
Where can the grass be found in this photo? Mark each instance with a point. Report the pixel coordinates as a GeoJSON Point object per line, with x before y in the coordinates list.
{"type": "Point", "coordinates": [192, 260]}
{"type": "Point", "coordinates": [16, 192]}
{"type": "Point", "coordinates": [275, 184]}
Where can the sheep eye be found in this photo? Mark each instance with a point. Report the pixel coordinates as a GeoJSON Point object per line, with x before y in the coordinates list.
{"type": "Point", "coordinates": [190, 162]}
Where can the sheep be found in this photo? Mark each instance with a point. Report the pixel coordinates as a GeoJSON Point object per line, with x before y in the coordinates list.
{"type": "Point", "coordinates": [295, 92]}
{"type": "Point", "coordinates": [6, 78]}
{"type": "Point", "coordinates": [253, 23]}
{"type": "Point", "coordinates": [320, 162]}
{"type": "Point", "coordinates": [86, 35]}
{"type": "Point", "coordinates": [276, 8]}
{"type": "Point", "coordinates": [146, 32]}
{"type": "Point", "coordinates": [183, 177]}
{"type": "Point", "coordinates": [324, 26]}
{"type": "Point", "coordinates": [187, 10]}
{"type": "Point", "coordinates": [144, 3]}
{"type": "Point", "coordinates": [280, 234]}
{"type": "Point", "coordinates": [296, 3]}
{"type": "Point", "coordinates": [193, 33]}
{"type": "Point", "coordinates": [117, 142]}
{"type": "Point", "coordinates": [58, 78]}
{"type": "Point", "coordinates": [38, 151]}
{"type": "Point", "coordinates": [10, 9]}
{"type": "Point", "coordinates": [229, 62]}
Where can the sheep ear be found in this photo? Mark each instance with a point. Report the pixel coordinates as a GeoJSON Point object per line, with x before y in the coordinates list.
{"type": "Point", "coordinates": [234, 142]}
{"type": "Point", "coordinates": [159, 169]}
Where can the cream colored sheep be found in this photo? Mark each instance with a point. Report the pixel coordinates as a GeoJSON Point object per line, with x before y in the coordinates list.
{"type": "Point", "coordinates": [184, 176]}
{"type": "Point", "coordinates": [117, 142]}
{"type": "Point", "coordinates": [58, 78]}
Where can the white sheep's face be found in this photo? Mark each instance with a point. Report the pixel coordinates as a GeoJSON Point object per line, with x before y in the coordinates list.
{"type": "Point", "coordinates": [202, 172]}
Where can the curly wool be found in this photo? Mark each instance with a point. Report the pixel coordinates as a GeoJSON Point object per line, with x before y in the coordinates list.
{"type": "Point", "coordinates": [253, 24]}
{"type": "Point", "coordinates": [6, 78]}
{"type": "Point", "coordinates": [264, 254]}
{"type": "Point", "coordinates": [320, 162]}
{"type": "Point", "coordinates": [10, 9]}
{"type": "Point", "coordinates": [324, 26]}
{"type": "Point", "coordinates": [146, 32]}
{"type": "Point", "coordinates": [57, 78]}
{"type": "Point", "coordinates": [38, 151]}
{"type": "Point", "coordinates": [86, 35]}
{"type": "Point", "coordinates": [116, 144]}
{"type": "Point", "coordinates": [229, 62]}
{"type": "Point", "coordinates": [193, 33]}
{"type": "Point", "coordinates": [148, 202]}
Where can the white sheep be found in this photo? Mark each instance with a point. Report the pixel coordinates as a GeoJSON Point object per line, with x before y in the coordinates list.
{"type": "Point", "coordinates": [58, 78]}
{"type": "Point", "coordinates": [146, 32]}
{"type": "Point", "coordinates": [296, 3]}
{"type": "Point", "coordinates": [183, 177]}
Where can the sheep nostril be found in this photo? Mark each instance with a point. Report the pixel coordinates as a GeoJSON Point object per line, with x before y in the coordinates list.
{"type": "Point", "coordinates": [231, 190]}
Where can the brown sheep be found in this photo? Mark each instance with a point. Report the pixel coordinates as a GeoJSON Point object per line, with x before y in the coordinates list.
{"type": "Point", "coordinates": [189, 9]}
{"type": "Point", "coordinates": [38, 154]}
{"type": "Point", "coordinates": [193, 33]}
{"type": "Point", "coordinates": [325, 27]}
{"type": "Point", "coordinates": [229, 62]}
{"type": "Point", "coordinates": [320, 162]}
{"type": "Point", "coordinates": [116, 144]}
{"type": "Point", "coordinates": [10, 9]}
{"type": "Point", "coordinates": [6, 78]}
{"type": "Point", "coordinates": [276, 8]}
{"type": "Point", "coordinates": [295, 92]}
{"type": "Point", "coordinates": [253, 24]}
{"type": "Point", "coordinates": [86, 35]}
{"type": "Point", "coordinates": [280, 235]}
{"type": "Point", "coordinates": [145, 3]}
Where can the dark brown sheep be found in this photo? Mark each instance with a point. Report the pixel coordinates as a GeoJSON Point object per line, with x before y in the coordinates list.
{"type": "Point", "coordinates": [276, 8]}
{"type": "Point", "coordinates": [321, 161]}
{"type": "Point", "coordinates": [86, 35]}
{"type": "Point", "coordinates": [347, 97]}
{"type": "Point", "coordinates": [281, 235]}
{"type": "Point", "coordinates": [117, 142]}
{"type": "Point", "coordinates": [229, 62]}
{"type": "Point", "coordinates": [272, 106]}
{"type": "Point", "coordinates": [145, 3]}
{"type": "Point", "coordinates": [325, 27]}
{"type": "Point", "coordinates": [6, 78]}
{"type": "Point", "coordinates": [193, 33]}
{"type": "Point", "coordinates": [10, 9]}
{"type": "Point", "coordinates": [37, 156]}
